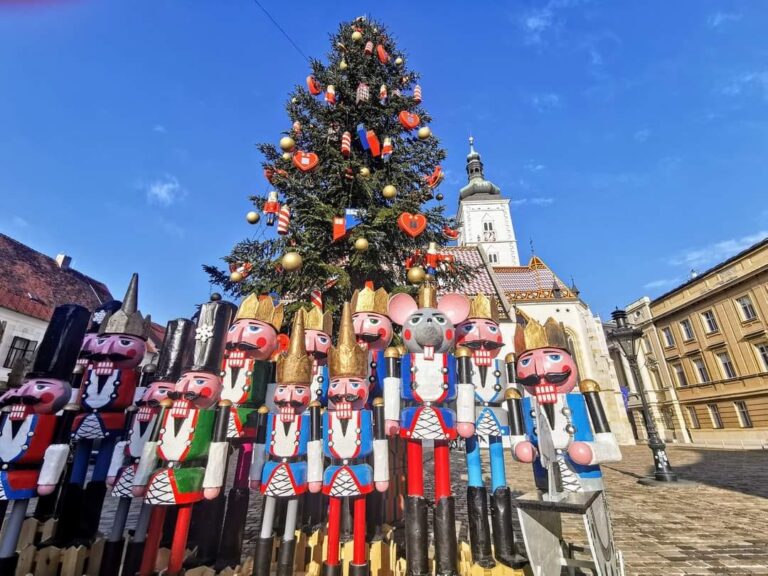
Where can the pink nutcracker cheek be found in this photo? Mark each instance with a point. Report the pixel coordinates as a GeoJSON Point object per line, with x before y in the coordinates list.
{"type": "Point", "coordinates": [47, 397]}
{"type": "Point", "coordinates": [407, 334]}
{"type": "Point", "coordinates": [131, 353]}
{"type": "Point", "coordinates": [260, 342]}
{"type": "Point", "coordinates": [449, 334]}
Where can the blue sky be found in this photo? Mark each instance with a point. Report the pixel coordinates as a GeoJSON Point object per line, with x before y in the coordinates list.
{"type": "Point", "coordinates": [632, 137]}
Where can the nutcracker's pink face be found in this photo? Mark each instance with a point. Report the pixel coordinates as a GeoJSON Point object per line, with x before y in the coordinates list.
{"type": "Point", "coordinates": [373, 331]}
{"type": "Point", "coordinates": [116, 352]}
{"type": "Point", "coordinates": [317, 343]}
{"type": "Point", "coordinates": [86, 350]}
{"type": "Point", "coordinates": [37, 396]}
{"type": "Point", "coordinates": [483, 337]}
{"type": "Point", "coordinates": [195, 390]}
{"type": "Point", "coordinates": [546, 372]}
{"type": "Point", "coordinates": [150, 400]}
{"type": "Point", "coordinates": [346, 395]}
{"type": "Point", "coordinates": [291, 400]}
{"type": "Point", "coordinates": [249, 338]}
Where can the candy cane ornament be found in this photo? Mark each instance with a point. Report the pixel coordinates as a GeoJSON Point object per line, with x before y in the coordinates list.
{"type": "Point", "coordinates": [283, 220]}
{"type": "Point", "coordinates": [346, 144]}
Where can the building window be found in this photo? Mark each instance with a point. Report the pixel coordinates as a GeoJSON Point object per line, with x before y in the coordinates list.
{"type": "Point", "coordinates": [487, 226]}
{"type": "Point", "coordinates": [669, 339]}
{"type": "Point", "coordinates": [493, 258]}
{"type": "Point", "coordinates": [682, 381]}
{"type": "Point", "coordinates": [686, 329]}
{"type": "Point", "coordinates": [747, 309]}
{"type": "Point", "coordinates": [743, 412]}
{"type": "Point", "coordinates": [710, 322]}
{"type": "Point", "coordinates": [20, 348]}
{"type": "Point", "coordinates": [646, 344]}
{"type": "Point", "coordinates": [725, 361]}
{"type": "Point", "coordinates": [762, 351]}
{"type": "Point", "coordinates": [693, 417]}
{"type": "Point", "coordinates": [701, 370]}
{"type": "Point", "coordinates": [714, 414]}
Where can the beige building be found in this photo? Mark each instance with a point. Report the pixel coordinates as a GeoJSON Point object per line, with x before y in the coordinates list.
{"type": "Point", "coordinates": [705, 354]}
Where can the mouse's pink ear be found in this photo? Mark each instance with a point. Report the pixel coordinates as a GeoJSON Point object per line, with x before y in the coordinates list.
{"type": "Point", "coordinates": [455, 306]}
{"type": "Point", "coordinates": [400, 307]}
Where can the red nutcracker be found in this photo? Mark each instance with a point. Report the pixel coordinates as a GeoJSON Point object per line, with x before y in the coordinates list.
{"type": "Point", "coordinates": [271, 207]}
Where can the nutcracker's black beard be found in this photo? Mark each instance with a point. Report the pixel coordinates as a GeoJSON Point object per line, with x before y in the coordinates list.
{"type": "Point", "coordinates": [241, 346]}
{"type": "Point", "coordinates": [191, 396]}
{"type": "Point", "coordinates": [549, 377]}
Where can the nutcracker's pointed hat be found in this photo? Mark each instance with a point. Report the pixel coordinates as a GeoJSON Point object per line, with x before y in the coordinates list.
{"type": "Point", "coordinates": [295, 366]}
{"type": "Point", "coordinates": [128, 320]}
{"type": "Point", "coordinates": [58, 350]}
{"type": "Point", "coordinates": [261, 308]}
{"type": "Point", "coordinates": [315, 319]}
{"type": "Point", "coordinates": [177, 350]}
{"type": "Point", "coordinates": [530, 334]}
{"type": "Point", "coordinates": [484, 307]}
{"type": "Point", "coordinates": [347, 359]}
{"type": "Point", "coordinates": [368, 300]}
{"type": "Point", "coordinates": [211, 336]}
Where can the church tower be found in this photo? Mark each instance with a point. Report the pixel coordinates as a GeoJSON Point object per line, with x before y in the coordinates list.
{"type": "Point", "coordinates": [485, 218]}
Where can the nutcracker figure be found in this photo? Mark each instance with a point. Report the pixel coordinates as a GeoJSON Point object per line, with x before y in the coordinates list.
{"type": "Point", "coordinates": [279, 467]}
{"type": "Point", "coordinates": [175, 354]}
{"type": "Point", "coordinates": [427, 382]}
{"type": "Point", "coordinates": [350, 434]}
{"type": "Point", "coordinates": [481, 334]}
{"type": "Point", "coordinates": [33, 434]}
{"type": "Point", "coordinates": [190, 439]}
{"type": "Point", "coordinates": [252, 342]}
{"type": "Point", "coordinates": [565, 436]}
{"type": "Point", "coordinates": [109, 387]}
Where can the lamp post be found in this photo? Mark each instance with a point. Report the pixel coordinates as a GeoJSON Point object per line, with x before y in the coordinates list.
{"type": "Point", "coordinates": [626, 337]}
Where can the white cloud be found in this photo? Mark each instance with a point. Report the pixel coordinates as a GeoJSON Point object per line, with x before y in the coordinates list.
{"type": "Point", "coordinates": [159, 128]}
{"type": "Point", "coordinates": [548, 18]}
{"type": "Point", "coordinates": [545, 101]}
{"type": "Point", "coordinates": [538, 201]}
{"type": "Point", "coordinates": [642, 135]}
{"type": "Point", "coordinates": [749, 82]}
{"type": "Point", "coordinates": [661, 283]}
{"type": "Point", "coordinates": [719, 18]}
{"type": "Point", "coordinates": [19, 222]}
{"type": "Point", "coordinates": [716, 252]}
{"type": "Point", "coordinates": [165, 191]}
{"type": "Point", "coordinates": [532, 166]}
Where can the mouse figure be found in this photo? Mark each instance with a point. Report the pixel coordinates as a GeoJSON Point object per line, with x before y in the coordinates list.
{"type": "Point", "coordinates": [34, 430]}
{"type": "Point", "coordinates": [351, 434]}
{"type": "Point", "coordinates": [426, 384]}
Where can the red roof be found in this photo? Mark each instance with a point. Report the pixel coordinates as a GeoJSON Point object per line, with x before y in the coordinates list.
{"type": "Point", "coordinates": [33, 284]}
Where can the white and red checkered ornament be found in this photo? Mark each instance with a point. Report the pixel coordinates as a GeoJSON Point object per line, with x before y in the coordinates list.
{"type": "Point", "coordinates": [363, 93]}
{"type": "Point", "coordinates": [417, 94]}
{"type": "Point", "coordinates": [368, 48]}
{"type": "Point", "coordinates": [283, 219]}
{"type": "Point", "coordinates": [316, 298]}
{"type": "Point", "coordinates": [330, 94]}
{"type": "Point", "coordinates": [346, 144]}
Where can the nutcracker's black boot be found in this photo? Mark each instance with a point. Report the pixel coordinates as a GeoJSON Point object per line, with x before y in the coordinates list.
{"type": "Point", "coordinates": [71, 505]}
{"type": "Point", "coordinates": [503, 531]}
{"type": "Point", "coordinates": [416, 536]}
{"type": "Point", "coordinates": [132, 561]}
{"type": "Point", "coordinates": [262, 558]}
{"type": "Point", "coordinates": [329, 570]}
{"type": "Point", "coordinates": [285, 557]}
{"type": "Point", "coordinates": [90, 515]}
{"type": "Point", "coordinates": [359, 569]}
{"type": "Point", "coordinates": [231, 543]}
{"type": "Point", "coordinates": [8, 565]}
{"type": "Point", "coordinates": [479, 527]}
{"type": "Point", "coordinates": [110, 558]}
{"type": "Point", "coordinates": [445, 538]}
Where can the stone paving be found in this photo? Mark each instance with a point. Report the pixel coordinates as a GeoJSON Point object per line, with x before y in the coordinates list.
{"type": "Point", "coordinates": [717, 527]}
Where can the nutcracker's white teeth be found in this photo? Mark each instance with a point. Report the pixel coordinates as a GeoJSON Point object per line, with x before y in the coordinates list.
{"type": "Point", "coordinates": [82, 361]}
{"type": "Point", "coordinates": [19, 412]}
{"type": "Point", "coordinates": [287, 414]}
{"type": "Point", "coordinates": [482, 357]}
{"type": "Point", "coordinates": [429, 352]}
{"type": "Point", "coordinates": [104, 368]}
{"type": "Point", "coordinates": [546, 393]}
{"type": "Point", "coordinates": [180, 408]}
{"type": "Point", "coordinates": [145, 414]}
{"type": "Point", "coordinates": [344, 410]}
{"type": "Point", "coordinates": [236, 359]}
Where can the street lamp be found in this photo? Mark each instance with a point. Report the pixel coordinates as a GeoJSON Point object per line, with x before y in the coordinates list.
{"type": "Point", "coordinates": [626, 337]}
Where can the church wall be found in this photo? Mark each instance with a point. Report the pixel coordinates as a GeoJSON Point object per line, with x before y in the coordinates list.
{"type": "Point", "coordinates": [472, 217]}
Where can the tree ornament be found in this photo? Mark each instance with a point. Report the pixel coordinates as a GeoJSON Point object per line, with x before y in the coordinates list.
{"type": "Point", "coordinates": [346, 144]}
{"type": "Point", "coordinates": [409, 120]}
{"type": "Point", "coordinates": [383, 94]}
{"type": "Point", "coordinates": [305, 161]}
{"type": "Point", "coordinates": [253, 217]}
{"type": "Point", "coordinates": [382, 54]}
{"type": "Point", "coordinates": [389, 192]}
{"type": "Point", "coordinates": [287, 156]}
{"type": "Point", "coordinates": [434, 179]}
{"type": "Point", "coordinates": [341, 47]}
{"type": "Point", "coordinates": [416, 275]}
{"type": "Point", "coordinates": [330, 94]}
{"type": "Point", "coordinates": [271, 207]}
{"type": "Point", "coordinates": [236, 277]}
{"type": "Point", "coordinates": [313, 85]}
{"type": "Point", "coordinates": [365, 171]}
{"type": "Point", "coordinates": [368, 48]}
{"type": "Point", "coordinates": [287, 143]}
{"type": "Point", "coordinates": [349, 174]}
{"type": "Point", "coordinates": [439, 197]}
{"type": "Point", "coordinates": [399, 61]}
{"type": "Point", "coordinates": [361, 244]}
{"type": "Point", "coordinates": [417, 94]}
{"type": "Point", "coordinates": [450, 233]}
{"type": "Point", "coordinates": [283, 220]}
{"type": "Point", "coordinates": [297, 127]}
{"type": "Point", "coordinates": [343, 65]}
{"type": "Point", "coordinates": [412, 224]}
{"type": "Point", "coordinates": [424, 133]}
{"type": "Point", "coordinates": [357, 36]}
{"type": "Point", "coordinates": [239, 270]}
{"type": "Point", "coordinates": [373, 143]}
{"type": "Point", "coordinates": [291, 261]}
{"type": "Point", "coordinates": [363, 93]}
{"type": "Point", "coordinates": [386, 149]}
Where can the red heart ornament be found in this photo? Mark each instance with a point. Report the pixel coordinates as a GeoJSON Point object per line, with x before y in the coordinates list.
{"type": "Point", "coordinates": [409, 120]}
{"type": "Point", "coordinates": [412, 224]}
{"type": "Point", "coordinates": [305, 161]}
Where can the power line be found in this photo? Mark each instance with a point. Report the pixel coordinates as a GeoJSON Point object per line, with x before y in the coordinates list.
{"type": "Point", "coordinates": [281, 30]}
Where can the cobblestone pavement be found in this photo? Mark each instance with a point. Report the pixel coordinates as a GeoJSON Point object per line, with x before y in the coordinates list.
{"type": "Point", "coordinates": [717, 527]}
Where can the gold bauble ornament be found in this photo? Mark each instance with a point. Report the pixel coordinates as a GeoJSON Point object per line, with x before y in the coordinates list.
{"type": "Point", "coordinates": [365, 171]}
{"type": "Point", "coordinates": [361, 244]}
{"type": "Point", "coordinates": [287, 143]}
{"type": "Point", "coordinates": [253, 217]}
{"type": "Point", "coordinates": [416, 275]}
{"type": "Point", "coordinates": [357, 36]}
{"type": "Point", "coordinates": [439, 197]}
{"type": "Point", "coordinates": [424, 133]}
{"type": "Point", "coordinates": [389, 192]}
{"type": "Point", "coordinates": [398, 61]}
{"type": "Point", "coordinates": [236, 276]}
{"type": "Point", "coordinates": [287, 156]}
{"type": "Point", "coordinates": [343, 65]}
{"type": "Point", "coordinates": [294, 100]}
{"type": "Point", "coordinates": [291, 261]}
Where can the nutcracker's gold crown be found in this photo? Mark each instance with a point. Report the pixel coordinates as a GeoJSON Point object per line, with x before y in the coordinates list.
{"type": "Point", "coordinates": [366, 300]}
{"type": "Point", "coordinates": [530, 334]}
{"type": "Point", "coordinates": [428, 294]}
{"type": "Point", "coordinates": [263, 309]}
{"type": "Point", "coordinates": [347, 359]}
{"type": "Point", "coordinates": [295, 366]}
{"type": "Point", "coordinates": [315, 319]}
{"type": "Point", "coordinates": [484, 307]}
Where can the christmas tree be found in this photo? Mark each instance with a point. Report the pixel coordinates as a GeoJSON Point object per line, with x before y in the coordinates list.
{"type": "Point", "coordinates": [352, 185]}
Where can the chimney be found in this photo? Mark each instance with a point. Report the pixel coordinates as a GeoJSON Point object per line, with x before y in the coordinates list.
{"type": "Point", "coordinates": [63, 261]}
